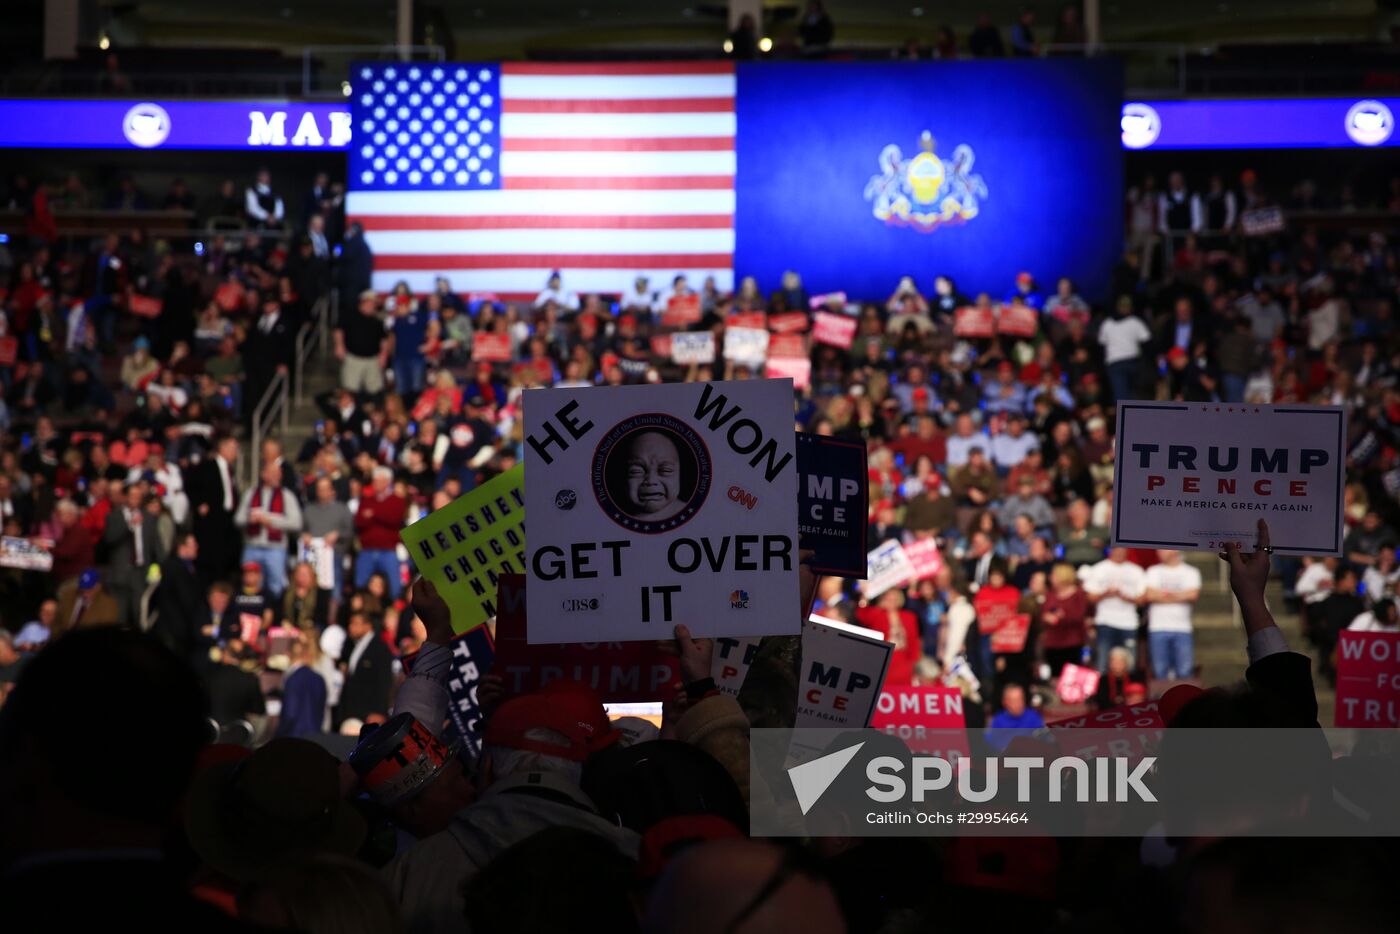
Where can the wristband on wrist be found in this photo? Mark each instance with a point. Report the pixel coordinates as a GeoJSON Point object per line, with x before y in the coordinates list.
{"type": "Point", "coordinates": [698, 689]}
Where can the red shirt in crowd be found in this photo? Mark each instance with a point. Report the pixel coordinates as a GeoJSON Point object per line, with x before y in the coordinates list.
{"type": "Point", "coordinates": [1073, 616]}
{"type": "Point", "coordinates": [901, 628]}
{"type": "Point", "coordinates": [913, 447]}
{"type": "Point", "coordinates": [379, 521]}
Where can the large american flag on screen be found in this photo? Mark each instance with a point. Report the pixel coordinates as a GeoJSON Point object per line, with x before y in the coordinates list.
{"type": "Point", "coordinates": [496, 175]}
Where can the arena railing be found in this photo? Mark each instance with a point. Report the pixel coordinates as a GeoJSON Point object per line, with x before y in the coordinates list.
{"type": "Point", "coordinates": [271, 407]}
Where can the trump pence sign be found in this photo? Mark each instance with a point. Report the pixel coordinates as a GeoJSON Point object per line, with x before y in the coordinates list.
{"type": "Point", "coordinates": [662, 505]}
{"type": "Point", "coordinates": [1198, 476]}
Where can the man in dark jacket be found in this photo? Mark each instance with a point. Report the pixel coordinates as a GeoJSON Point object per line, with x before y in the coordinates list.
{"type": "Point", "coordinates": [369, 674]}
{"type": "Point", "coordinates": [214, 495]}
{"type": "Point", "coordinates": [356, 268]}
{"type": "Point", "coordinates": [234, 694]}
{"type": "Point", "coordinates": [181, 611]}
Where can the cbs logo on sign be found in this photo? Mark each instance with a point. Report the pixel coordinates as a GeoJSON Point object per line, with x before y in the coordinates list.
{"type": "Point", "coordinates": [580, 604]}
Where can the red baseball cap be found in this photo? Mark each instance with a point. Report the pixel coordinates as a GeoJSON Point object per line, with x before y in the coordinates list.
{"type": "Point", "coordinates": [513, 719]}
{"type": "Point", "coordinates": [1176, 353]}
{"type": "Point", "coordinates": [588, 705]}
{"type": "Point", "coordinates": [919, 393]}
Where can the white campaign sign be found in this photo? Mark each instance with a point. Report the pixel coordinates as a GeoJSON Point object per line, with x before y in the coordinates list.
{"type": "Point", "coordinates": [657, 505]}
{"type": "Point", "coordinates": [693, 347]}
{"type": "Point", "coordinates": [1197, 476]}
{"type": "Point", "coordinates": [747, 346]}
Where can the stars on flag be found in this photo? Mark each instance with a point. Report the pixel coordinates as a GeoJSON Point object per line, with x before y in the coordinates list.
{"type": "Point", "coordinates": [426, 128]}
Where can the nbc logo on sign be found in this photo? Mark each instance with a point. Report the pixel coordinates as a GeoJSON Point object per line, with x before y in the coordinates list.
{"type": "Point", "coordinates": [738, 599]}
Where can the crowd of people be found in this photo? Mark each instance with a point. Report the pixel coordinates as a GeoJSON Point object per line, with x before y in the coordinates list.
{"type": "Point", "coordinates": [282, 604]}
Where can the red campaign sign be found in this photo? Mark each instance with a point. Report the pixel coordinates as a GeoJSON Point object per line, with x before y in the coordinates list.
{"type": "Point", "coordinates": [798, 369]}
{"type": "Point", "coordinates": [1141, 726]}
{"type": "Point", "coordinates": [747, 319]}
{"type": "Point", "coordinates": [1018, 321]}
{"type": "Point", "coordinates": [1010, 636]}
{"type": "Point", "coordinates": [925, 557]}
{"type": "Point", "coordinates": [929, 718]}
{"type": "Point", "coordinates": [788, 322]}
{"type": "Point", "coordinates": [1077, 684]}
{"type": "Point", "coordinates": [543, 369]}
{"type": "Point", "coordinates": [9, 350]}
{"type": "Point", "coordinates": [145, 306]}
{"type": "Point", "coordinates": [836, 330]}
{"type": "Point", "coordinates": [661, 346]}
{"type": "Point", "coordinates": [995, 608]}
{"type": "Point", "coordinates": [681, 310]}
{"type": "Point", "coordinates": [975, 322]}
{"type": "Point", "coordinates": [229, 296]}
{"type": "Point", "coordinates": [787, 345]}
{"type": "Point", "coordinates": [621, 672]}
{"type": "Point", "coordinates": [1368, 679]}
{"type": "Point", "coordinates": [491, 348]}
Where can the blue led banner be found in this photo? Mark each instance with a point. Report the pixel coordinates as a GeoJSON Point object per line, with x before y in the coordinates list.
{"type": "Point", "coordinates": [105, 124]}
{"type": "Point", "coordinates": [1260, 124]}
{"type": "Point", "coordinates": [1283, 123]}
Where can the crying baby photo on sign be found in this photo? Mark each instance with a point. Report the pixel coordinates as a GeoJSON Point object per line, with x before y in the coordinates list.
{"type": "Point", "coordinates": [661, 505]}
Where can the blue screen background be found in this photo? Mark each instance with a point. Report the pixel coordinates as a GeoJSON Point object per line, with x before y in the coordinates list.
{"type": "Point", "coordinates": [1046, 140]}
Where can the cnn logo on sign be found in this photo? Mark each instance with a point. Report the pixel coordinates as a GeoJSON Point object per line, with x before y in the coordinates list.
{"type": "Point", "coordinates": [741, 496]}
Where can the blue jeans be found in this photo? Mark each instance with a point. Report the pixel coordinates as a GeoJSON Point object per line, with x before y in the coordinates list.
{"type": "Point", "coordinates": [273, 560]}
{"type": "Point", "coordinates": [383, 560]}
{"type": "Point", "coordinates": [1232, 386]}
{"type": "Point", "coordinates": [1107, 638]}
{"type": "Point", "coordinates": [411, 374]}
{"type": "Point", "coordinates": [1171, 654]}
{"type": "Point", "coordinates": [1122, 379]}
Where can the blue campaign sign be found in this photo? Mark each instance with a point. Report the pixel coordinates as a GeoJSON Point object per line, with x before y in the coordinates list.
{"type": "Point", "coordinates": [472, 656]}
{"type": "Point", "coordinates": [856, 174]}
{"type": "Point", "coordinates": [833, 503]}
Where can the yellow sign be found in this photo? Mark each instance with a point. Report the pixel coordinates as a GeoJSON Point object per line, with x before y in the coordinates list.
{"type": "Point", "coordinates": [465, 547]}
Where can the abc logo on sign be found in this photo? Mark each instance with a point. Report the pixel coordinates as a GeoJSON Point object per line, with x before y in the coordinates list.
{"type": "Point", "coordinates": [565, 499]}
{"type": "Point", "coordinates": [738, 599]}
{"type": "Point", "coordinates": [146, 125]}
{"type": "Point", "coordinates": [580, 604]}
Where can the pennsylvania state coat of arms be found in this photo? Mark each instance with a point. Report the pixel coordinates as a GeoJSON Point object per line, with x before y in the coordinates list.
{"type": "Point", "coordinates": [925, 192]}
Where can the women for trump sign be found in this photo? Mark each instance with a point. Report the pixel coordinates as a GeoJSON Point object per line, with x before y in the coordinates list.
{"type": "Point", "coordinates": [662, 505]}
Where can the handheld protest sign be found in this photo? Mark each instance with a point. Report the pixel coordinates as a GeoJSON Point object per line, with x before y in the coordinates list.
{"type": "Point", "coordinates": [1196, 477]}
{"type": "Point", "coordinates": [1368, 679]}
{"type": "Point", "coordinates": [473, 654]}
{"type": "Point", "coordinates": [621, 672]}
{"type": "Point", "coordinates": [929, 718]}
{"type": "Point", "coordinates": [659, 505]}
{"type": "Point", "coordinates": [464, 547]}
{"type": "Point", "coordinates": [832, 503]}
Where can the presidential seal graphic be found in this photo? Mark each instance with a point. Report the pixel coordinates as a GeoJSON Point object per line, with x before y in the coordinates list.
{"type": "Point", "coordinates": [651, 473]}
{"type": "Point", "coordinates": [926, 191]}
